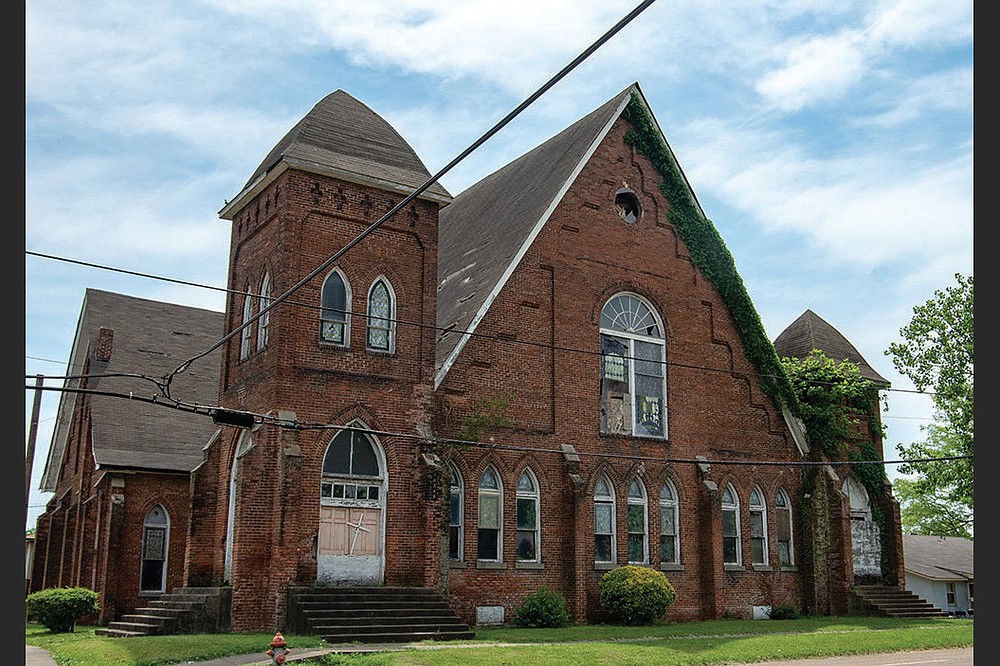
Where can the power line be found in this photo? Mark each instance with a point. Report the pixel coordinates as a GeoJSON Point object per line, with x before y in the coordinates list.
{"type": "Point", "coordinates": [268, 419]}
{"type": "Point", "coordinates": [439, 329]}
{"type": "Point", "coordinates": [410, 197]}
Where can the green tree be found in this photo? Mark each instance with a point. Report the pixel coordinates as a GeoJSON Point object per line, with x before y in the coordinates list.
{"type": "Point", "coordinates": [936, 353]}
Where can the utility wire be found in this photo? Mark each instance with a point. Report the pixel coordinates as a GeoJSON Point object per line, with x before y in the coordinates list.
{"type": "Point", "coordinates": [413, 195]}
{"type": "Point", "coordinates": [269, 419]}
{"type": "Point", "coordinates": [439, 329]}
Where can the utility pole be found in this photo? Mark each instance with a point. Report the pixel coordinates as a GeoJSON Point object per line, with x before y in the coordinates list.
{"type": "Point", "coordinates": [32, 433]}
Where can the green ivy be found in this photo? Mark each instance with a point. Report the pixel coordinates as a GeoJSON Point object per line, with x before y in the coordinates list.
{"type": "Point", "coordinates": [710, 254]}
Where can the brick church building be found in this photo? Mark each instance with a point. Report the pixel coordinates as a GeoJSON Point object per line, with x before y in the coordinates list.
{"type": "Point", "coordinates": [553, 373]}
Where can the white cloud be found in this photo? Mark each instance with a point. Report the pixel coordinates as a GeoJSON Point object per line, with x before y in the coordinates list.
{"type": "Point", "coordinates": [819, 69]}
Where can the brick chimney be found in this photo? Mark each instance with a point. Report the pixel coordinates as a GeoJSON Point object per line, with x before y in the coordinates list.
{"type": "Point", "coordinates": [105, 344]}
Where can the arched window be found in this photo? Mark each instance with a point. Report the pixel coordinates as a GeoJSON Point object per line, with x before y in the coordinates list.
{"type": "Point", "coordinates": [527, 518]}
{"type": "Point", "coordinates": [490, 537]}
{"type": "Point", "coordinates": [335, 317]}
{"type": "Point", "coordinates": [155, 540]}
{"type": "Point", "coordinates": [456, 509]}
{"type": "Point", "coordinates": [381, 317]}
{"type": "Point", "coordinates": [633, 357]}
{"type": "Point", "coordinates": [758, 528]}
{"type": "Point", "coordinates": [247, 331]}
{"type": "Point", "coordinates": [732, 553]}
{"type": "Point", "coordinates": [783, 529]}
{"type": "Point", "coordinates": [857, 495]}
{"type": "Point", "coordinates": [265, 318]}
{"type": "Point", "coordinates": [638, 543]}
{"type": "Point", "coordinates": [605, 549]}
{"type": "Point", "coordinates": [669, 538]}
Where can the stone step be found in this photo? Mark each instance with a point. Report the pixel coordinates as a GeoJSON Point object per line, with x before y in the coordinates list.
{"type": "Point", "coordinates": [399, 637]}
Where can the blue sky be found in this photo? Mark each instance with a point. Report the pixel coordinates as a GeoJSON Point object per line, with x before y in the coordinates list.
{"type": "Point", "coordinates": [830, 141]}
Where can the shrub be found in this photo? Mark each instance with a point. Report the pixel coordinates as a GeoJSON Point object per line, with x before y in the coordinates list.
{"type": "Point", "coordinates": [544, 608]}
{"type": "Point", "coordinates": [783, 612]}
{"type": "Point", "coordinates": [636, 595]}
{"type": "Point", "coordinates": [58, 608]}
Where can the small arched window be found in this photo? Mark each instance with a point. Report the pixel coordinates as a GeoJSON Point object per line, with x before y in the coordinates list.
{"type": "Point", "coordinates": [633, 361]}
{"type": "Point", "coordinates": [381, 317]}
{"type": "Point", "coordinates": [265, 318]}
{"type": "Point", "coordinates": [335, 317]}
{"type": "Point", "coordinates": [638, 542]}
{"type": "Point", "coordinates": [247, 331]}
{"type": "Point", "coordinates": [783, 529]}
{"type": "Point", "coordinates": [490, 536]}
{"type": "Point", "coordinates": [605, 548]}
{"type": "Point", "coordinates": [732, 553]}
{"type": "Point", "coordinates": [155, 531]}
{"type": "Point", "coordinates": [527, 517]}
{"type": "Point", "coordinates": [456, 509]}
{"type": "Point", "coordinates": [758, 527]}
{"type": "Point", "coordinates": [669, 538]}
{"type": "Point", "coordinates": [627, 205]}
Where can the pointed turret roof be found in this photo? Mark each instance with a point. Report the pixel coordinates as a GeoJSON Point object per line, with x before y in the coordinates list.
{"type": "Point", "coordinates": [810, 331]}
{"type": "Point", "coordinates": [342, 138]}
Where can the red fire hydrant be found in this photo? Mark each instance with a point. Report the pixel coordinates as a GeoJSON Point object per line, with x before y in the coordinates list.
{"type": "Point", "coordinates": [279, 648]}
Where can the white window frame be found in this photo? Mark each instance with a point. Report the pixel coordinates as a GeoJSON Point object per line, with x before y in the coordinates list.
{"type": "Point", "coordinates": [265, 318]}
{"type": "Point", "coordinates": [328, 316]}
{"type": "Point", "coordinates": [670, 507]}
{"type": "Point", "coordinates": [456, 514]}
{"type": "Point", "coordinates": [630, 323]}
{"type": "Point", "coordinates": [496, 494]}
{"type": "Point", "coordinates": [604, 497]}
{"type": "Point", "coordinates": [247, 331]}
{"type": "Point", "coordinates": [731, 506]}
{"type": "Point", "coordinates": [638, 507]}
{"type": "Point", "coordinates": [758, 508]}
{"type": "Point", "coordinates": [782, 503]}
{"type": "Point", "coordinates": [379, 323]}
{"type": "Point", "coordinates": [528, 494]}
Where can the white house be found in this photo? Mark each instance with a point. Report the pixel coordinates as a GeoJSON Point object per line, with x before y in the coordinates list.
{"type": "Point", "coordinates": [939, 569]}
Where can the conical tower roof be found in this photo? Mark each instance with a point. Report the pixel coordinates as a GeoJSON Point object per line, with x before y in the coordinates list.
{"type": "Point", "coordinates": [810, 331]}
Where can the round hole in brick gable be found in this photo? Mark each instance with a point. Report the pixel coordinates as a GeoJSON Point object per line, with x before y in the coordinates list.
{"type": "Point", "coordinates": [627, 205]}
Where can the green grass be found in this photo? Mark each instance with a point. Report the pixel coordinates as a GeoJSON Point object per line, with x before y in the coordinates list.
{"type": "Point", "coordinates": [678, 644]}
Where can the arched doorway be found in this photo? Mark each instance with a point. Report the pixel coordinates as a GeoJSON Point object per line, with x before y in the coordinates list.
{"type": "Point", "coordinates": [352, 509]}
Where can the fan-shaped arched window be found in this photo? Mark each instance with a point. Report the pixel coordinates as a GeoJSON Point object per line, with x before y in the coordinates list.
{"type": "Point", "coordinates": [155, 541]}
{"type": "Point", "coordinates": [490, 536]}
{"type": "Point", "coordinates": [265, 319]}
{"type": "Point", "coordinates": [335, 317]}
{"type": "Point", "coordinates": [638, 541]}
{"type": "Point", "coordinates": [758, 528]}
{"type": "Point", "coordinates": [527, 518]}
{"type": "Point", "coordinates": [605, 548]}
{"type": "Point", "coordinates": [669, 537]}
{"type": "Point", "coordinates": [456, 509]}
{"type": "Point", "coordinates": [381, 317]}
{"type": "Point", "coordinates": [247, 331]}
{"type": "Point", "coordinates": [783, 529]}
{"type": "Point", "coordinates": [732, 553]}
{"type": "Point", "coordinates": [633, 361]}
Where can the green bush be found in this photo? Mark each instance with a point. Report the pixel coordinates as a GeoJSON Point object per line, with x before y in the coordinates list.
{"type": "Point", "coordinates": [544, 608]}
{"type": "Point", "coordinates": [783, 612]}
{"type": "Point", "coordinates": [58, 608]}
{"type": "Point", "coordinates": [636, 595]}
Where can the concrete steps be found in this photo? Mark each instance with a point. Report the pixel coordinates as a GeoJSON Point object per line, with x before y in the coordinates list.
{"type": "Point", "coordinates": [891, 601]}
{"type": "Point", "coordinates": [373, 615]}
{"type": "Point", "coordinates": [187, 610]}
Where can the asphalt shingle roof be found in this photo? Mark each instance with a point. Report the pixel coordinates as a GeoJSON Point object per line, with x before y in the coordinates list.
{"type": "Point", "coordinates": [810, 332]}
{"type": "Point", "coordinates": [941, 558]}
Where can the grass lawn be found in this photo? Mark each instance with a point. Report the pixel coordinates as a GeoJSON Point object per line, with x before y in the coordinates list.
{"type": "Point", "coordinates": [677, 644]}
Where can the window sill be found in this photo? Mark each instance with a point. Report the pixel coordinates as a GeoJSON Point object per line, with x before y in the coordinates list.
{"type": "Point", "coordinates": [456, 564]}
{"type": "Point", "coordinates": [536, 566]}
{"type": "Point", "coordinates": [733, 567]}
{"type": "Point", "coordinates": [604, 566]}
{"type": "Point", "coordinates": [761, 567]}
{"type": "Point", "coordinates": [671, 566]}
{"type": "Point", "coordinates": [788, 567]}
{"type": "Point", "coordinates": [490, 565]}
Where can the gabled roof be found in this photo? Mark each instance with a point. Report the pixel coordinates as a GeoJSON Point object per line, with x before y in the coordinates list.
{"type": "Point", "coordinates": [938, 558]}
{"type": "Point", "coordinates": [342, 138]}
{"type": "Point", "coordinates": [486, 230]}
{"type": "Point", "coordinates": [152, 339]}
{"type": "Point", "coordinates": [810, 332]}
